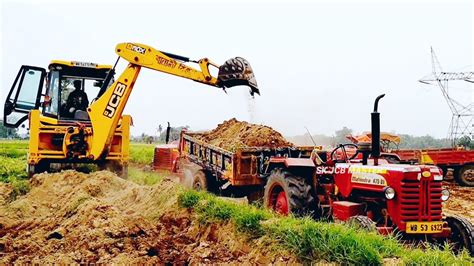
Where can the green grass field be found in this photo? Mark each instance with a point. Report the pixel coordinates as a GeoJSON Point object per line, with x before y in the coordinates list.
{"type": "Point", "coordinates": [141, 153]}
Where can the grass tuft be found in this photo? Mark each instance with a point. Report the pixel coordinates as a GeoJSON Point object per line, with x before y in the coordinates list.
{"type": "Point", "coordinates": [311, 240]}
{"type": "Point", "coordinates": [148, 178]}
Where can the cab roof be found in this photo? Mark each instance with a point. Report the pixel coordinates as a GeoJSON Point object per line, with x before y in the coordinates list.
{"type": "Point", "coordinates": [78, 64]}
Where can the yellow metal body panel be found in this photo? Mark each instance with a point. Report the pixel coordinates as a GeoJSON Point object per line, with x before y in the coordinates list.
{"type": "Point", "coordinates": [43, 147]}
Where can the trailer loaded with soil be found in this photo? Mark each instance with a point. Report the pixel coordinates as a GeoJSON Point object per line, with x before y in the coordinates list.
{"type": "Point", "coordinates": [235, 157]}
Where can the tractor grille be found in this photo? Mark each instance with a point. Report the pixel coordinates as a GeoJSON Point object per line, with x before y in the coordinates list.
{"type": "Point", "coordinates": [420, 200]}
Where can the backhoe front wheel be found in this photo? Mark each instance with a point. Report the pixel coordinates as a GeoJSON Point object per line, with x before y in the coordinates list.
{"type": "Point", "coordinates": [286, 193]}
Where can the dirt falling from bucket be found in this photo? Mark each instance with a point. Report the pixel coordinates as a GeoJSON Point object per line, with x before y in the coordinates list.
{"type": "Point", "coordinates": [251, 108]}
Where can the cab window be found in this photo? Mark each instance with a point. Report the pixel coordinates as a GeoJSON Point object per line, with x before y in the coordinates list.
{"type": "Point", "coordinates": [51, 107]}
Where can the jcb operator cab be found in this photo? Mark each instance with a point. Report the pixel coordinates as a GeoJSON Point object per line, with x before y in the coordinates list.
{"type": "Point", "coordinates": [64, 93]}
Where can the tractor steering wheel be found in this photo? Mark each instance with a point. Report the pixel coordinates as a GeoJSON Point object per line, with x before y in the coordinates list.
{"type": "Point", "coordinates": [342, 147]}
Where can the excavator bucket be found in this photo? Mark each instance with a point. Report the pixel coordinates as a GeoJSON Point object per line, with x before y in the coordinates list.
{"type": "Point", "coordinates": [237, 71]}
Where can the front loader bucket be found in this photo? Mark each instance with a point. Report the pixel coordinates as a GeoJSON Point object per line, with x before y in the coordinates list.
{"type": "Point", "coordinates": [237, 71]}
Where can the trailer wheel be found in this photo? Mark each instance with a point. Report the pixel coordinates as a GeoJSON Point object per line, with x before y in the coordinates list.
{"type": "Point", "coordinates": [462, 234]}
{"type": "Point", "coordinates": [362, 222]}
{"type": "Point", "coordinates": [200, 181]}
{"type": "Point", "coordinates": [466, 175]}
{"type": "Point", "coordinates": [286, 193]}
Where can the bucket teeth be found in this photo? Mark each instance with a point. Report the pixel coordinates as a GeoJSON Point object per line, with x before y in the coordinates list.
{"type": "Point", "coordinates": [237, 71]}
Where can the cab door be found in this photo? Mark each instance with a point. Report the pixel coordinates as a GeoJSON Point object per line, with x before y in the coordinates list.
{"type": "Point", "coordinates": [24, 95]}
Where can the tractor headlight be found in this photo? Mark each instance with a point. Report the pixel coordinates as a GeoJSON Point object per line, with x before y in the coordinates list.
{"type": "Point", "coordinates": [389, 193]}
{"type": "Point", "coordinates": [445, 194]}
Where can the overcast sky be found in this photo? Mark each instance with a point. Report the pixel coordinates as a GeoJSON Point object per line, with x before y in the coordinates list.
{"type": "Point", "coordinates": [318, 65]}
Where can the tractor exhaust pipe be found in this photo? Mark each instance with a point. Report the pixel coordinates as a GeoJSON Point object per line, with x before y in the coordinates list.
{"type": "Point", "coordinates": [375, 117]}
{"type": "Point", "coordinates": [168, 130]}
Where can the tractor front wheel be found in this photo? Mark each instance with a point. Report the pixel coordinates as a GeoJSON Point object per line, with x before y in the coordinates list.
{"type": "Point", "coordinates": [462, 234]}
{"type": "Point", "coordinates": [362, 222]}
{"type": "Point", "coordinates": [286, 193]}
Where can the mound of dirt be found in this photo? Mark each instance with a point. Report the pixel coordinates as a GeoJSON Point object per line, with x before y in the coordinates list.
{"type": "Point", "coordinates": [71, 218]}
{"type": "Point", "coordinates": [460, 201]}
{"type": "Point", "coordinates": [233, 134]}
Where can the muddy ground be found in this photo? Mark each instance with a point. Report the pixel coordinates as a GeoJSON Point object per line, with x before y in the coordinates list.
{"type": "Point", "coordinates": [71, 217]}
{"type": "Point", "coordinates": [233, 134]}
{"type": "Point", "coordinates": [461, 201]}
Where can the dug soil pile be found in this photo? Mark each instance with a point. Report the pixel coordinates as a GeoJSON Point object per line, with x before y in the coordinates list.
{"type": "Point", "coordinates": [233, 134]}
{"type": "Point", "coordinates": [71, 218]}
{"type": "Point", "coordinates": [460, 202]}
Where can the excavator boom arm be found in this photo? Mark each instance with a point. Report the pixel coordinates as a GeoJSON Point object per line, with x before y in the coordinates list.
{"type": "Point", "coordinates": [107, 110]}
{"type": "Point", "coordinates": [146, 56]}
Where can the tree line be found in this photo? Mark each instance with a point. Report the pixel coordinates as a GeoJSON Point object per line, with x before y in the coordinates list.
{"type": "Point", "coordinates": [339, 137]}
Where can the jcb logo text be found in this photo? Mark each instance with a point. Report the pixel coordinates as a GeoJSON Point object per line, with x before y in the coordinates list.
{"type": "Point", "coordinates": [114, 100]}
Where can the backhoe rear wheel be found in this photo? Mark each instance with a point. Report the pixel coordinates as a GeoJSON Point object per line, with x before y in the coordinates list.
{"type": "Point", "coordinates": [466, 175]}
{"type": "Point", "coordinates": [114, 167]}
{"type": "Point", "coordinates": [40, 167]}
{"type": "Point", "coordinates": [462, 234]}
{"type": "Point", "coordinates": [286, 193]}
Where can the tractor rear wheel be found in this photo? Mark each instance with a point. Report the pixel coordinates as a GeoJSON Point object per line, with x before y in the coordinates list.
{"type": "Point", "coordinates": [462, 234]}
{"type": "Point", "coordinates": [200, 181]}
{"type": "Point", "coordinates": [466, 175]}
{"type": "Point", "coordinates": [362, 222]}
{"type": "Point", "coordinates": [286, 193]}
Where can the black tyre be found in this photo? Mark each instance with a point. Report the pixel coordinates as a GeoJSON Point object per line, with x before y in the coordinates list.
{"type": "Point", "coordinates": [114, 167]}
{"type": "Point", "coordinates": [123, 172]}
{"type": "Point", "coordinates": [362, 222]}
{"type": "Point", "coordinates": [33, 169]}
{"type": "Point", "coordinates": [200, 181]}
{"type": "Point", "coordinates": [286, 193]}
{"type": "Point", "coordinates": [462, 234]}
{"type": "Point", "coordinates": [466, 175]}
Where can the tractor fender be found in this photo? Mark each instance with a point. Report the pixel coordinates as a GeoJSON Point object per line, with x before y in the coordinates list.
{"type": "Point", "coordinates": [292, 162]}
{"type": "Point", "coordinates": [300, 166]}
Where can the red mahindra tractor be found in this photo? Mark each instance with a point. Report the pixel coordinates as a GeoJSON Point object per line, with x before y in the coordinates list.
{"type": "Point", "coordinates": [366, 189]}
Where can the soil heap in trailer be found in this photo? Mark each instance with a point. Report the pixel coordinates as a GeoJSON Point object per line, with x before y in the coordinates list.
{"type": "Point", "coordinates": [339, 185]}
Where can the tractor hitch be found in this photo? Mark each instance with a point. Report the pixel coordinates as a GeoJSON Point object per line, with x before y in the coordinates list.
{"type": "Point", "coordinates": [237, 71]}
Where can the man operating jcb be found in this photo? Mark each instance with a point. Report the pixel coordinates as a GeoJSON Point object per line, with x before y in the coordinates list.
{"type": "Point", "coordinates": [77, 99]}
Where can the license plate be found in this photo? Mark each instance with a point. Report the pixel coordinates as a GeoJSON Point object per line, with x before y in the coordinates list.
{"type": "Point", "coordinates": [424, 227]}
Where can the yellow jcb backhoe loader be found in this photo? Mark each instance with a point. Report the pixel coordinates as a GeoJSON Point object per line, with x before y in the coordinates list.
{"type": "Point", "coordinates": [65, 129]}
